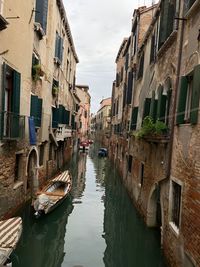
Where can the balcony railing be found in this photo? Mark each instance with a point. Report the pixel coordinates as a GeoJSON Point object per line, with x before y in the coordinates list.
{"type": "Point", "coordinates": [12, 126]}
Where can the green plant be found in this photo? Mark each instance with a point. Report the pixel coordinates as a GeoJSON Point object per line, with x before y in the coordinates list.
{"type": "Point", "coordinates": [151, 128]}
{"type": "Point", "coordinates": [37, 72]}
{"type": "Point", "coordinates": [55, 90]}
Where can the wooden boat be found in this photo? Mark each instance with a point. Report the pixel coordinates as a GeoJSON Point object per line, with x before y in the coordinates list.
{"type": "Point", "coordinates": [10, 232]}
{"type": "Point", "coordinates": [53, 194]}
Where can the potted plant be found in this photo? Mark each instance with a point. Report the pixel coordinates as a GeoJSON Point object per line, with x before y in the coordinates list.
{"type": "Point", "coordinates": [37, 72]}
{"type": "Point", "coordinates": [55, 90]}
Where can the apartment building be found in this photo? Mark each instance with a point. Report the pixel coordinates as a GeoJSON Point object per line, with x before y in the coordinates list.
{"type": "Point", "coordinates": [158, 158]}
{"type": "Point", "coordinates": [38, 67]}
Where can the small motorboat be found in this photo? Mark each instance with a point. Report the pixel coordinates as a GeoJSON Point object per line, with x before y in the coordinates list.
{"type": "Point", "coordinates": [84, 146]}
{"type": "Point", "coordinates": [10, 232]}
{"type": "Point", "coordinates": [53, 194]}
{"type": "Point", "coordinates": [103, 152]}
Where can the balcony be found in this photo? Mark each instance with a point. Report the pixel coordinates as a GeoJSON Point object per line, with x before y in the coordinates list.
{"type": "Point", "coordinates": [12, 126]}
{"type": "Point", "coordinates": [63, 132]}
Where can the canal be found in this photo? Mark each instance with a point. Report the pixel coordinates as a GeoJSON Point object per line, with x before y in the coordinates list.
{"type": "Point", "coordinates": [96, 226]}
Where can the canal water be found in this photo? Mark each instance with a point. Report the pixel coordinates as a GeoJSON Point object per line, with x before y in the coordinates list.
{"type": "Point", "coordinates": [96, 226]}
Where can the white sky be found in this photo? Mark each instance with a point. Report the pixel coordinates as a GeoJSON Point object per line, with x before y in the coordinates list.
{"type": "Point", "coordinates": [98, 28]}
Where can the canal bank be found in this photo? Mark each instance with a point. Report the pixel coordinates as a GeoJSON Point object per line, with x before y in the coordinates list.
{"type": "Point", "coordinates": [96, 226]}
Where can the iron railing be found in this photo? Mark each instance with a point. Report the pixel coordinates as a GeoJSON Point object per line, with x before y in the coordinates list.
{"type": "Point", "coordinates": [12, 126]}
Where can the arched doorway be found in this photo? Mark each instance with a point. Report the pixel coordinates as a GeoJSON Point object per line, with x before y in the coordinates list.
{"type": "Point", "coordinates": [154, 214]}
{"type": "Point", "coordinates": [32, 173]}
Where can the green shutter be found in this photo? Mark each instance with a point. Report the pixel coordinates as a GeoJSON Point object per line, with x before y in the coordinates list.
{"type": "Point", "coordinates": [159, 106]}
{"type": "Point", "coordinates": [152, 104]}
{"type": "Point", "coordinates": [36, 110]}
{"type": "Point", "coordinates": [134, 118]}
{"type": "Point", "coordinates": [163, 108]}
{"type": "Point", "coordinates": [147, 104]}
{"type": "Point", "coordinates": [2, 100]}
{"type": "Point", "coordinates": [55, 117]}
{"type": "Point", "coordinates": [195, 95]}
{"type": "Point", "coordinates": [16, 92]}
{"type": "Point", "coordinates": [169, 95]}
{"type": "Point", "coordinates": [39, 112]}
{"type": "Point", "coordinates": [15, 105]}
{"type": "Point", "coordinates": [182, 100]}
{"type": "Point", "coordinates": [153, 107]}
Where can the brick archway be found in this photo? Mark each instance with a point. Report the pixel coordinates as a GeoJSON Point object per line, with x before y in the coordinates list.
{"type": "Point", "coordinates": [32, 172]}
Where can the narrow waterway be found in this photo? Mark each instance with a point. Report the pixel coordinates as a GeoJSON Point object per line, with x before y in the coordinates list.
{"type": "Point", "coordinates": [96, 226]}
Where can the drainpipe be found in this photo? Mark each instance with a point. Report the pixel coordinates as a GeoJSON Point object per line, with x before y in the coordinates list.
{"type": "Point", "coordinates": [182, 22]}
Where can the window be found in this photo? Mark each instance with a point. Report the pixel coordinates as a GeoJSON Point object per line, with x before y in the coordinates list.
{"type": "Point", "coordinates": [175, 203]}
{"type": "Point", "coordinates": [41, 13]}
{"type": "Point", "coordinates": [41, 157]}
{"type": "Point", "coordinates": [166, 20]}
{"type": "Point", "coordinates": [189, 93]}
{"type": "Point", "coordinates": [36, 110]}
{"type": "Point", "coordinates": [59, 48]}
{"type": "Point", "coordinates": [130, 159]}
{"type": "Point", "coordinates": [134, 118]}
{"type": "Point", "coordinates": [141, 67]}
{"type": "Point", "coordinates": [10, 127]}
{"type": "Point", "coordinates": [141, 175]}
{"type": "Point", "coordinates": [153, 46]}
{"type": "Point", "coordinates": [18, 167]}
{"type": "Point", "coordinates": [129, 88]}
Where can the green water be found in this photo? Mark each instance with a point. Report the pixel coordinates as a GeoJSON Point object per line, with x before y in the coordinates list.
{"type": "Point", "coordinates": [96, 226]}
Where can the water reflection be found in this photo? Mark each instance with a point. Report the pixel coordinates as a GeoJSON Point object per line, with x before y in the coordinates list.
{"type": "Point", "coordinates": [128, 242]}
{"type": "Point", "coordinates": [96, 227]}
{"type": "Point", "coordinates": [42, 241]}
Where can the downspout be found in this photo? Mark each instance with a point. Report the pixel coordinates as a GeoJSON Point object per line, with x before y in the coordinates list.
{"type": "Point", "coordinates": [171, 143]}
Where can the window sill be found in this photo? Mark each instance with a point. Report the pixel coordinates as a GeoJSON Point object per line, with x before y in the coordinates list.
{"type": "Point", "coordinates": [174, 228]}
{"type": "Point", "coordinates": [38, 29]}
{"type": "Point", "coordinates": [165, 46]}
{"type": "Point", "coordinates": [17, 185]}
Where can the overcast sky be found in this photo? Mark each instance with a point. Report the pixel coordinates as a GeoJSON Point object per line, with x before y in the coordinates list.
{"type": "Point", "coordinates": [98, 28]}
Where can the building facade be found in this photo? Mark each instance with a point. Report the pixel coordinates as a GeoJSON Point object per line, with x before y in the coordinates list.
{"type": "Point", "coordinates": [37, 104]}
{"type": "Point", "coordinates": [153, 142]}
{"type": "Point", "coordinates": [83, 123]}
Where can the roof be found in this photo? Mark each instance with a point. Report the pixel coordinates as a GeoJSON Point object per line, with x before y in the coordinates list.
{"type": "Point", "coordinates": [67, 28]}
{"type": "Point", "coordinates": [120, 49]}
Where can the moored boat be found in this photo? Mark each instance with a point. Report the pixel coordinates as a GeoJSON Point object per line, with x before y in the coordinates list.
{"type": "Point", "coordinates": [53, 193]}
{"type": "Point", "coordinates": [10, 232]}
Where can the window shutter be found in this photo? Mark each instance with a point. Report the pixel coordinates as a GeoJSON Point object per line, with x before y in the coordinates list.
{"type": "Point", "coordinates": [55, 117]}
{"type": "Point", "coordinates": [57, 45]}
{"type": "Point", "coordinates": [170, 22]}
{"type": "Point", "coordinates": [124, 95]}
{"type": "Point", "coordinates": [15, 104]}
{"type": "Point", "coordinates": [16, 92]}
{"type": "Point", "coordinates": [127, 59]}
{"type": "Point", "coordinates": [141, 67]}
{"type": "Point", "coordinates": [2, 100]}
{"type": "Point", "coordinates": [130, 85]}
{"type": "Point", "coordinates": [67, 116]}
{"type": "Point", "coordinates": [39, 112]}
{"type": "Point", "coordinates": [182, 100]}
{"type": "Point", "coordinates": [169, 95]}
{"type": "Point", "coordinates": [134, 118]}
{"type": "Point", "coordinates": [163, 22]}
{"type": "Point", "coordinates": [152, 55]}
{"type": "Point", "coordinates": [195, 95]}
{"type": "Point", "coordinates": [41, 14]}
{"type": "Point", "coordinates": [60, 55]}
{"type": "Point", "coordinates": [159, 106]}
{"type": "Point", "coordinates": [153, 107]}
{"type": "Point", "coordinates": [147, 104]}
